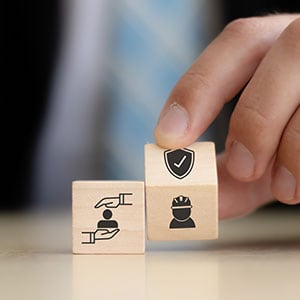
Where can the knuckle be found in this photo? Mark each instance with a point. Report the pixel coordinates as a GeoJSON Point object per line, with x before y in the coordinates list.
{"type": "Point", "coordinates": [248, 120]}
{"type": "Point", "coordinates": [258, 117]}
{"type": "Point", "coordinates": [197, 78]}
{"type": "Point", "coordinates": [189, 86]}
{"type": "Point", "coordinates": [244, 27]}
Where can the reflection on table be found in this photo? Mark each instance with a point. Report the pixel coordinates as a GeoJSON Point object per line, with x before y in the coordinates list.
{"type": "Point", "coordinates": [256, 257]}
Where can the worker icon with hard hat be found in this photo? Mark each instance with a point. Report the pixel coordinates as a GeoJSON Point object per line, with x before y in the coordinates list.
{"type": "Point", "coordinates": [181, 209]}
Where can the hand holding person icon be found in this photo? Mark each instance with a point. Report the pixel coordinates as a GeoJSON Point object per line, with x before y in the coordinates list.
{"type": "Point", "coordinates": [106, 230]}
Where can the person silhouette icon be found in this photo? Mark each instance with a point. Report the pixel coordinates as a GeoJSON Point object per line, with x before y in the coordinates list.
{"type": "Point", "coordinates": [107, 222]}
{"type": "Point", "coordinates": [181, 209]}
{"type": "Point", "coordinates": [107, 229]}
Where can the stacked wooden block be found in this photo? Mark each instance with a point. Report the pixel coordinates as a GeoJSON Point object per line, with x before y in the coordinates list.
{"type": "Point", "coordinates": [180, 197]}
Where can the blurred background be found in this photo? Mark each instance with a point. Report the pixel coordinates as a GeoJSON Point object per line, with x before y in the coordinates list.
{"type": "Point", "coordinates": [85, 81]}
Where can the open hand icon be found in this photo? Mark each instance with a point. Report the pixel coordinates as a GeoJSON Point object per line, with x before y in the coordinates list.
{"type": "Point", "coordinates": [105, 233]}
{"type": "Point", "coordinates": [100, 234]}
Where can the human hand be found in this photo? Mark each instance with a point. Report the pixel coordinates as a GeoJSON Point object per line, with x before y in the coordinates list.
{"type": "Point", "coordinates": [262, 153]}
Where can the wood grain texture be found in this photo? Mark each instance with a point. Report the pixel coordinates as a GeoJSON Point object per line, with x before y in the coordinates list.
{"type": "Point", "coordinates": [181, 208]}
{"type": "Point", "coordinates": [108, 217]}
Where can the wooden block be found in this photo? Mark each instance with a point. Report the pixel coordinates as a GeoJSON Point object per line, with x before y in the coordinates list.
{"type": "Point", "coordinates": [108, 217]}
{"type": "Point", "coordinates": [181, 192]}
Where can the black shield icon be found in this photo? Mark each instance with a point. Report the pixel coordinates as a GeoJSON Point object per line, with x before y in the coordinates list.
{"type": "Point", "coordinates": [179, 162]}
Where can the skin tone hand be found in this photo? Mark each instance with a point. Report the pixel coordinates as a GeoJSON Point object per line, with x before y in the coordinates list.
{"type": "Point", "coordinates": [262, 152]}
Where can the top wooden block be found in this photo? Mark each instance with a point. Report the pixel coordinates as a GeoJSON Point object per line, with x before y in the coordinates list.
{"type": "Point", "coordinates": [189, 166]}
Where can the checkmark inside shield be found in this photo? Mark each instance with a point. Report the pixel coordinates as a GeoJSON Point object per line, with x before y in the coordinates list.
{"type": "Point", "coordinates": [179, 162]}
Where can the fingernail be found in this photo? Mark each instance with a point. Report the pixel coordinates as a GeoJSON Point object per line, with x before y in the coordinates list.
{"type": "Point", "coordinates": [283, 184]}
{"type": "Point", "coordinates": [174, 122]}
{"type": "Point", "coordinates": [240, 161]}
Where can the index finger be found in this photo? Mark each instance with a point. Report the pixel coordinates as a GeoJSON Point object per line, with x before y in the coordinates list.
{"type": "Point", "coordinates": [219, 73]}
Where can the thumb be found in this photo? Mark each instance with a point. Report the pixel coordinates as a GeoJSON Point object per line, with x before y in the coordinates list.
{"type": "Point", "coordinates": [219, 73]}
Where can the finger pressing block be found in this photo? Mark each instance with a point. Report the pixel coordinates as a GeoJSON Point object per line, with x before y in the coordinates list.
{"type": "Point", "coordinates": [108, 217]}
{"type": "Point", "coordinates": [181, 192]}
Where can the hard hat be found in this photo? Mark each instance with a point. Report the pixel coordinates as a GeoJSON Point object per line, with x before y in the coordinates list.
{"type": "Point", "coordinates": [181, 202]}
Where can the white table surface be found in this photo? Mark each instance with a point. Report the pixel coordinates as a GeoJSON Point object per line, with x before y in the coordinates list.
{"type": "Point", "coordinates": [256, 257]}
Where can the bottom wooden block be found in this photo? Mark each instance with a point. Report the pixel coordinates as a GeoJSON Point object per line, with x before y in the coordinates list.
{"type": "Point", "coordinates": [189, 214]}
{"type": "Point", "coordinates": [108, 217]}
